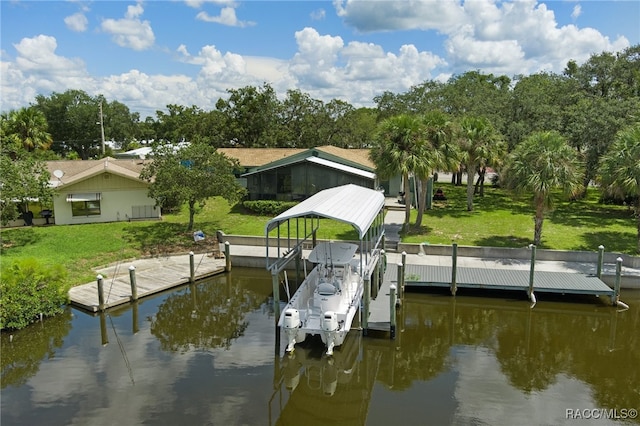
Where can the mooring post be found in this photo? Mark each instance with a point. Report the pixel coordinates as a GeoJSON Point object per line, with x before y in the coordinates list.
{"type": "Point", "coordinates": [227, 256]}
{"type": "Point", "coordinates": [392, 310]}
{"type": "Point", "coordinates": [132, 279]}
{"type": "Point", "coordinates": [276, 295]}
{"type": "Point", "coordinates": [367, 302]}
{"type": "Point", "coordinates": [532, 269]}
{"type": "Point", "coordinates": [616, 286]}
{"type": "Point", "coordinates": [192, 268]}
{"type": "Point", "coordinates": [404, 281]}
{"type": "Point", "coordinates": [100, 293]}
{"type": "Point", "coordinates": [454, 269]}
{"type": "Point", "coordinates": [600, 261]}
{"type": "Point", "coordinates": [400, 283]}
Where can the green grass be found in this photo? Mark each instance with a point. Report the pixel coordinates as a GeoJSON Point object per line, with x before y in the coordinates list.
{"type": "Point", "coordinates": [497, 220]}
{"type": "Point", "coordinates": [501, 220]}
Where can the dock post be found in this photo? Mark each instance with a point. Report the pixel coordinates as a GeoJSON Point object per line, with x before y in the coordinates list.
{"type": "Point", "coordinates": [132, 279]}
{"type": "Point", "coordinates": [404, 270]}
{"type": "Point", "coordinates": [100, 293]}
{"type": "Point", "coordinates": [400, 283]}
{"type": "Point", "coordinates": [276, 295]}
{"type": "Point", "coordinates": [616, 287]}
{"type": "Point", "coordinates": [192, 268]}
{"type": "Point", "coordinates": [532, 269]}
{"type": "Point", "coordinates": [454, 267]}
{"type": "Point", "coordinates": [227, 256]}
{"type": "Point", "coordinates": [600, 261]}
{"type": "Point", "coordinates": [392, 310]}
{"type": "Point", "coordinates": [367, 302]}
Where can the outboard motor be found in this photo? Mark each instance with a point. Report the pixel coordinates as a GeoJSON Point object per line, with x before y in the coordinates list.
{"type": "Point", "coordinates": [329, 321]}
{"type": "Point", "coordinates": [291, 318]}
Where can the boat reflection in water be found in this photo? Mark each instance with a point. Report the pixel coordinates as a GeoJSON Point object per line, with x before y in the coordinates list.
{"type": "Point", "coordinates": [319, 389]}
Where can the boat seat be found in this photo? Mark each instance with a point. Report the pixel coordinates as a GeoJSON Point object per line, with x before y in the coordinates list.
{"type": "Point", "coordinates": [326, 289]}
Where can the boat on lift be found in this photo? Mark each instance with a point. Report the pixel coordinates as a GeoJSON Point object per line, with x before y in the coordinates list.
{"type": "Point", "coordinates": [326, 302]}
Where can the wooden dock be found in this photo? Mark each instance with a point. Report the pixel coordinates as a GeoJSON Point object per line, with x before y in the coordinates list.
{"type": "Point", "coordinates": [152, 276]}
{"type": "Point", "coordinates": [420, 276]}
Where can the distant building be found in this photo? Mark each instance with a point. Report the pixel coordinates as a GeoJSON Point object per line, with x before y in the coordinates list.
{"type": "Point", "coordinates": [105, 190]}
{"type": "Point", "coordinates": [294, 174]}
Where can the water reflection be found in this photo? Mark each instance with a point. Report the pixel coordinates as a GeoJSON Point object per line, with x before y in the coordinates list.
{"type": "Point", "coordinates": [317, 389]}
{"type": "Point", "coordinates": [207, 354]}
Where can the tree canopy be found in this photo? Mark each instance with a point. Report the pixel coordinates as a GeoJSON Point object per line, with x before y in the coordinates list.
{"type": "Point", "coordinates": [191, 174]}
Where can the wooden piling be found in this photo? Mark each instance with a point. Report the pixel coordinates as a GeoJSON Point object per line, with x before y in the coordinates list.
{"type": "Point", "coordinates": [600, 261]}
{"type": "Point", "coordinates": [227, 256]}
{"type": "Point", "coordinates": [100, 292]}
{"type": "Point", "coordinates": [454, 269]}
{"type": "Point", "coordinates": [616, 286]}
{"type": "Point", "coordinates": [192, 268]}
{"type": "Point", "coordinates": [134, 287]}
{"type": "Point", "coordinates": [400, 282]}
{"type": "Point", "coordinates": [366, 306]}
{"type": "Point", "coordinates": [404, 267]}
{"type": "Point", "coordinates": [392, 310]}
{"type": "Point", "coordinates": [276, 295]}
{"type": "Point", "coordinates": [532, 270]}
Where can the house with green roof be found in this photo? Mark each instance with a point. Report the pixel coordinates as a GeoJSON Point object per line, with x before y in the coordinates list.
{"type": "Point", "coordinates": [293, 175]}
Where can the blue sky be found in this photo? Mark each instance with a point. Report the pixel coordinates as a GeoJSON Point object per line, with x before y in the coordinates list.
{"type": "Point", "coordinates": [147, 54]}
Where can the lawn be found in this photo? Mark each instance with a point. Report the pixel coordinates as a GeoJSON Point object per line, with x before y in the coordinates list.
{"type": "Point", "coordinates": [497, 220]}
{"type": "Point", "coordinates": [501, 220]}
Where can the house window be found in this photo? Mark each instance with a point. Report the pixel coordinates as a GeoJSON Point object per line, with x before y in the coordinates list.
{"type": "Point", "coordinates": [84, 204]}
{"type": "Point", "coordinates": [85, 208]}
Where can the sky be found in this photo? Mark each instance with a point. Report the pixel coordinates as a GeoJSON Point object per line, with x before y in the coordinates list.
{"type": "Point", "coordinates": [149, 54]}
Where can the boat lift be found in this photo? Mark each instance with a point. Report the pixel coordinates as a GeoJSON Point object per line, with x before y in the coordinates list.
{"type": "Point", "coordinates": [296, 229]}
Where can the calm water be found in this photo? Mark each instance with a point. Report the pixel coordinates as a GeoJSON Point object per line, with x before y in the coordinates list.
{"type": "Point", "coordinates": [207, 355]}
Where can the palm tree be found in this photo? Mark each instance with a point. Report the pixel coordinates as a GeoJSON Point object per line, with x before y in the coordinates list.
{"type": "Point", "coordinates": [29, 125]}
{"type": "Point", "coordinates": [480, 147]}
{"type": "Point", "coordinates": [440, 152]}
{"type": "Point", "coordinates": [619, 172]}
{"type": "Point", "coordinates": [399, 149]}
{"type": "Point", "coordinates": [540, 163]}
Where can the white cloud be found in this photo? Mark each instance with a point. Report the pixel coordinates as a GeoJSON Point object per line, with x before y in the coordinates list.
{"type": "Point", "coordinates": [130, 31]}
{"type": "Point", "coordinates": [372, 16]}
{"type": "Point", "coordinates": [501, 37]}
{"type": "Point", "coordinates": [577, 11]}
{"type": "Point", "coordinates": [77, 22]}
{"type": "Point", "coordinates": [227, 17]}
{"type": "Point", "coordinates": [318, 14]}
{"type": "Point", "coordinates": [38, 69]}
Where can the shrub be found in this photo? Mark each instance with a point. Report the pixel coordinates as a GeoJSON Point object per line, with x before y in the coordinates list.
{"type": "Point", "coordinates": [28, 289]}
{"type": "Point", "coordinates": [268, 207]}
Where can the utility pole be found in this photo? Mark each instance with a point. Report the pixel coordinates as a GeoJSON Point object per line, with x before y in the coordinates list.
{"type": "Point", "coordinates": [101, 128]}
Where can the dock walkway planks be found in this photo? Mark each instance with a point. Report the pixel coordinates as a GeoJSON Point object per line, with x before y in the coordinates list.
{"type": "Point", "coordinates": [481, 278]}
{"type": "Point", "coordinates": [153, 275]}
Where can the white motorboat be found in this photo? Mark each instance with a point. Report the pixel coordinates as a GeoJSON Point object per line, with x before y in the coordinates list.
{"type": "Point", "coordinates": [326, 302]}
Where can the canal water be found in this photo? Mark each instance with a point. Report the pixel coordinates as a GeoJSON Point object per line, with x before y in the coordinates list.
{"type": "Point", "coordinates": [207, 354]}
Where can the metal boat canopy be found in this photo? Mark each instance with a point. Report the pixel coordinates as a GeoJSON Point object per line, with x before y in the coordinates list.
{"type": "Point", "coordinates": [362, 208]}
{"type": "Point", "coordinates": [353, 204]}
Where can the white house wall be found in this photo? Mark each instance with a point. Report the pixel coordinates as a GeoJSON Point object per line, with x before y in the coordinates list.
{"type": "Point", "coordinates": [120, 199]}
